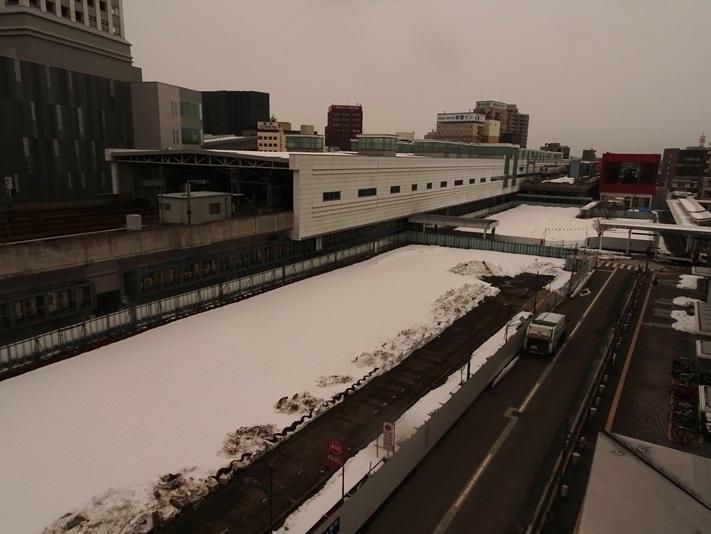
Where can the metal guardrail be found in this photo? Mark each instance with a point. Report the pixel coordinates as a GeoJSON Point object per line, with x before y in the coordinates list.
{"type": "Point", "coordinates": [471, 242]}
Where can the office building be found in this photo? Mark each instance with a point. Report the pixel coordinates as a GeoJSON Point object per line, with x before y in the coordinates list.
{"type": "Point", "coordinates": [166, 116]}
{"type": "Point", "coordinates": [65, 96]}
{"type": "Point", "coordinates": [514, 125]}
{"type": "Point", "coordinates": [344, 124]}
{"type": "Point", "coordinates": [557, 147]}
{"type": "Point", "coordinates": [629, 180]}
{"type": "Point", "coordinates": [271, 136]}
{"type": "Point", "coordinates": [464, 127]}
{"type": "Point", "coordinates": [687, 170]}
{"type": "Point", "coordinates": [589, 154]}
{"type": "Point", "coordinates": [234, 112]}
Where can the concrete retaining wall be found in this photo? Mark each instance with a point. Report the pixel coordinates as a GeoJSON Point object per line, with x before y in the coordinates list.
{"type": "Point", "coordinates": [45, 255]}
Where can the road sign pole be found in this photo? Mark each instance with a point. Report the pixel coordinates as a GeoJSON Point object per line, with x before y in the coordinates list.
{"type": "Point", "coordinates": [343, 482]}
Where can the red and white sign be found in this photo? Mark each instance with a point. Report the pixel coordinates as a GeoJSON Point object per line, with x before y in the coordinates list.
{"type": "Point", "coordinates": [335, 447]}
{"type": "Point", "coordinates": [335, 452]}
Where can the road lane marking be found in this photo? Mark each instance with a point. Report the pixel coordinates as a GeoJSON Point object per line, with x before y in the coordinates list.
{"type": "Point", "coordinates": [552, 363]}
{"type": "Point", "coordinates": [628, 359]}
{"type": "Point", "coordinates": [446, 521]}
{"type": "Point", "coordinates": [513, 415]}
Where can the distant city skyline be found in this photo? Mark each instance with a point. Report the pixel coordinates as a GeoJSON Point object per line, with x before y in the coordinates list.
{"type": "Point", "coordinates": [624, 76]}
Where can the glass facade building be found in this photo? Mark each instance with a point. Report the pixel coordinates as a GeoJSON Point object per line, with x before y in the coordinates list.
{"type": "Point", "coordinates": [56, 124]}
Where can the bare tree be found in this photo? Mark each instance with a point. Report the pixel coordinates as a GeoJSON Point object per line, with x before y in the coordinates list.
{"type": "Point", "coordinates": [598, 226]}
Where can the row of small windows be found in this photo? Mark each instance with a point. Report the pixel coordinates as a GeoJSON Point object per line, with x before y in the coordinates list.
{"type": "Point", "coordinates": [331, 196]}
{"type": "Point", "coordinates": [79, 16]}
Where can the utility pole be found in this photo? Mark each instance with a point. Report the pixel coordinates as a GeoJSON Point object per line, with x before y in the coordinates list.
{"type": "Point", "coordinates": [271, 498]}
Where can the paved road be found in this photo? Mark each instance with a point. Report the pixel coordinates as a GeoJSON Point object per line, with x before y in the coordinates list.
{"type": "Point", "coordinates": [477, 478]}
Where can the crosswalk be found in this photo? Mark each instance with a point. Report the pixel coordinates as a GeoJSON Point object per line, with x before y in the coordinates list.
{"type": "Point", "coordinates": [611, 264]}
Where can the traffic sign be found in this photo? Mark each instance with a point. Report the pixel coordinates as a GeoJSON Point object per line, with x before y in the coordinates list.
{"type": "Point", "coordinates": [335, 447]}
{"type": "Point", "coordinates": [334, 453]}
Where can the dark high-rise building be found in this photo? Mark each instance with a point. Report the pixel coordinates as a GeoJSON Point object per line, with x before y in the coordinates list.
{"type": "Point", "coordinates": [687, 170]}
{"type": "Point", "coordinates": [514, 125]}
{"type": "Point", "coordinates": [65, 74]}
{"type": "Point", "coordinates": [344, 124]}
{"type": "Point", "coordinates": [589, 154]}
{"type": "Point", "coordinates": [233, 112]}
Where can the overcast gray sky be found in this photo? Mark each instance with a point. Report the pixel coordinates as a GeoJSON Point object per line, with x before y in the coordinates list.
{"type": "Point", "coordinates": [617, 75]}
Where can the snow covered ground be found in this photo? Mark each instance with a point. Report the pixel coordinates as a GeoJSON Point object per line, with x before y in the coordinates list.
{"type": "Point", "coordinates": [93, 435]}
{"type": "Point", "coordinates": [552, 225]}
{"type": "Point", "coordinates": [555, 225]}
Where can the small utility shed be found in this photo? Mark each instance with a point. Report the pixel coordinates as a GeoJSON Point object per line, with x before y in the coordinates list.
{"type": "Point", "coordinates": [196, 207]}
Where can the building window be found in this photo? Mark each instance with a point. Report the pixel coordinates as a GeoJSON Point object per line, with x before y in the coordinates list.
{"type": "Point", "coordinates": [370, 192]}
{"type": "Point", "coordinates": [215, 208]}
{"type": "Point", "coordinates": [331, 196]}
{"type": "Point", "coordinates": [429, 185]}
{"type": "Point", "coordinates": [443, 184]}
{"type": "Point", "coordinates": [482, 180]}
{"type": "Point", "coordinates": [458, 182]}
{"type": "Point", "coordinates": [394, 189]}
{"type": "Point", "coordinates": [472, 180]}
{"type": "Point", "coordinates": [414, 187]}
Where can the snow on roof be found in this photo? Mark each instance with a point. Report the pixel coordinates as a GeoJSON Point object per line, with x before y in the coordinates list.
{"type": "Point", "coordinates": [691, 205]}
{"type": "Point", "coordinates": [562, 180]}
{"type": "Point", "coordinates": [590, 205]}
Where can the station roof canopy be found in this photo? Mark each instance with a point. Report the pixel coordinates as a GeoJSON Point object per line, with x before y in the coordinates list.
{"type": "Point", "coordinates": [684, 229]}
{"type": "Point", "coordinates": [446, 220]}
{"type": "Point", "coordinates": [199, 157]}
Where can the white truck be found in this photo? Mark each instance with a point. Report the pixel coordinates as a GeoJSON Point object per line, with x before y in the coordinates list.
{"type": "Point", "coordinates": [545, 333]}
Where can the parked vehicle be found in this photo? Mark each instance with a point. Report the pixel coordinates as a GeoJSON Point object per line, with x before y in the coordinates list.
{"type": "Point", "coordinates": [545, 333]}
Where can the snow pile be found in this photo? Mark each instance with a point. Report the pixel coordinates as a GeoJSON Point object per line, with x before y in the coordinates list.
{"type": "Point", "coordinates": [197, 397]}
{"type": "Point", "coordinates": [683, 321]}
{"type": "Point", "coordinates": [333, 380]}
{"type": "Point", "coordinates": [248, 440]}
{"type": "Point", "coordinates": [299, 403]}
{"type": "Point", "coordinates": [357, 467]}
{"type": "Point", "coordinates": [688, 281]}
{"type": "Point", "coordinates": [453, 304]}
{"type": "Point", "coordinates": [563, 180]}
{"type": "Point", "coordinates": [684, 301]}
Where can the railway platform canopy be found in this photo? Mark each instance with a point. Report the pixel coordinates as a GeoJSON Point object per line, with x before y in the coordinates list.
{"type": "Point", "coordinates": [447, 221]}
{"type": "Point", "coordinates": [681, 229]}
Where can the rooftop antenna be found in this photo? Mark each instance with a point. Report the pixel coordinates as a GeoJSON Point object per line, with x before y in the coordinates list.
{"type": "Point", "coordinates": [702, 140]}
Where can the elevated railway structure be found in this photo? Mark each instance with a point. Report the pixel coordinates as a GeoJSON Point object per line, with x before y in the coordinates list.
{"type": "Point", "coordinates": [287, 206]}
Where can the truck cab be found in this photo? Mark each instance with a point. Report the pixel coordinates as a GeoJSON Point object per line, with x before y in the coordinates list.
{"type": "Point", "coordinates": [545, 333]}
